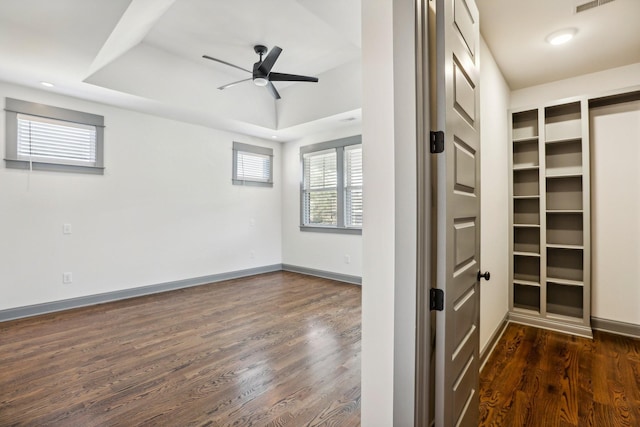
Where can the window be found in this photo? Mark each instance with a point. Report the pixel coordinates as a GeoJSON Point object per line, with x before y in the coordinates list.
{"type": "Point", "coordinates": [51, 138]}
{"type": "Point", "coordinates": [353, 185]}
{"type": "Point", "coordinates": [252, 165]}
{"type": "Point", "coordinates": [331, 195]}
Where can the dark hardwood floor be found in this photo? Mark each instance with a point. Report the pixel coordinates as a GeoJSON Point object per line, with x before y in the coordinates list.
{"type": "Point", "coordinates": [540, 378]}
{"type": "Point", "coordinates": [279, 349]}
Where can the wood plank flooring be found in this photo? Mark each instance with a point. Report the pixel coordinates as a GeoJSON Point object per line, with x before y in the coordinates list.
{"type": "Point", "coordinates": [280, 349]}
{"type": "Point", "coordinates": [540, 378]}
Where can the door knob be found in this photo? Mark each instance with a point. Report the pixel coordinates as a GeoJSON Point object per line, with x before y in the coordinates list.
{"type": "Point", "coordinates": [486, 275]}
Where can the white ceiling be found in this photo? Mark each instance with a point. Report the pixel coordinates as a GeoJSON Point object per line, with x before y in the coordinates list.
{"type": "Point", "coordinates": [608, 36]}
{"type": "Point", "coordinates": [146, 55]}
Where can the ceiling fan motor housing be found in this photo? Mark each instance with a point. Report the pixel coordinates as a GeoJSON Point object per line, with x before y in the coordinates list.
{"type": "Point", "coordinates": [259, 78]}
{"type": "Point", "coordinates": [261, 74]}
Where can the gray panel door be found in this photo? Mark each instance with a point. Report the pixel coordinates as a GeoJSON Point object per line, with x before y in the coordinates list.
{"type": "Point", "coordinates": [458, 213]}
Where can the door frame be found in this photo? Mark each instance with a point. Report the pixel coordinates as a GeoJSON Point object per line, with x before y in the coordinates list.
{"type": "Point", "coordinates": [425, 320]}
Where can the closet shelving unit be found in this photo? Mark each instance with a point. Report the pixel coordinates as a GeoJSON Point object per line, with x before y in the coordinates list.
{"type": "Point", "coordinates": [550, 218]}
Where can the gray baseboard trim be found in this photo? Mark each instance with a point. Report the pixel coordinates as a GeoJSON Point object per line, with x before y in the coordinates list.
{"type": "Point", "coordinates": [356, 280]}
{"type": "Point", "coordinates": [615, 327]}
{"type": "Point", "coordinates": [50, 307]}
{"type": "Point", "coordinates": [484, 355]}
{"type": "Point", "coordinates": [557, 326]}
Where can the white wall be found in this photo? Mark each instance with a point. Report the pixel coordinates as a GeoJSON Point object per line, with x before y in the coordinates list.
{"type": "Point", "coordinates": [389, 235]}
{"type": "Point", "coordinates": [494, 218]}
{"type": "Point", "coordinates": [405, 211]}
{"type": "Point", "coordinates": [379, 205]}
{"type": "Point", "coordinates": [164, 210]}
{"type": "Point", "coordinates": [321, 251]}
{"type": "Point", "coordinates": [615, 155]}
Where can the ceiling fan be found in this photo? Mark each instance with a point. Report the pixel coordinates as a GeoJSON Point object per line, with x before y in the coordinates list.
{"type": "Point", "coordinates": [261, 74]}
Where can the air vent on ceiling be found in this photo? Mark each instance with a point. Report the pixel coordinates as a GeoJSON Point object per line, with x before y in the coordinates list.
{"type": "Point", "coordinates": [591, 4]}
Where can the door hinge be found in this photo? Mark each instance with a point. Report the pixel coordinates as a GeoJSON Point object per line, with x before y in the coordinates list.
{"type": "Point", "coordinates": [436, 141]}
{"type": "Point", "coordinates": [436, 299]}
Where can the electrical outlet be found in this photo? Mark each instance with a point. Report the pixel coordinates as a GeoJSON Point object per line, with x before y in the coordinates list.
{"type": "Point", "coordinates": [66, 229]}
{"type": "Point", "coordinates": [347, 259]}
{"type": "Point", "coordinates": [252, 254]}
{"type": "Point", "coordinates": [67, 278]}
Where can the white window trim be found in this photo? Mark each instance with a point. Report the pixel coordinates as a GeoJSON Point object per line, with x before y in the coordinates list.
{"type": "Point", "coordinates": [339, 145]}
{"type": "Point", "coordinates": [251, 149]}
{"type": "Point", "coordinates": [13, 160]}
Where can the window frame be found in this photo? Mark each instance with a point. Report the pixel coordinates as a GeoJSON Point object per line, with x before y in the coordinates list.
{"type": "Point", "coordinates": [14, 107]}
{"type": "Point", "coordinates": [339, 145]}
{"type": "Point", "coordinates": [251, 149]}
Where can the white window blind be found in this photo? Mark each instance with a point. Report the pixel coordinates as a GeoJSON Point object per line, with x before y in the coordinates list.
{"type": "Point", "coordinates": [49, 140]}
{"type": "Point", "coordinates": [331, 186]}
{"type": "Point", "coordinates": [253, 167]}
{"type": "Point", "coordinates": [320, 188]}
{"type": "Point", "coordinates": [353, 185]}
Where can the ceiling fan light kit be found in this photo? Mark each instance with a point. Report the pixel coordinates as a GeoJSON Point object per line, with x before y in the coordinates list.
{"type": "Point", "coordinates": [261, 74]}
{"type": "Point", "coordinates": [260, 81]}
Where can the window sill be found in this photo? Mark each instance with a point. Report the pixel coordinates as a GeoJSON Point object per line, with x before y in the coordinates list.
{"type": "Point", "coordinates": [251, 183]}
{"type": "Point", "coordinates": [55, 167]}
{"type": "Point", "coordinates": [335, 230]}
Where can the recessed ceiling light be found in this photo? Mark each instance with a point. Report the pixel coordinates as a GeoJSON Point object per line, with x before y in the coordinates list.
{"type": "Point", "coordinates": [562, 36]}
{"type": "Point", "coordinates": [274, 136]}
{"type": "Point", "coordinates": [47, 84]}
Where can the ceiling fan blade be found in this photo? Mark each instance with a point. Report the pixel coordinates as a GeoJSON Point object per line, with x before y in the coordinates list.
{"type": "Point", "coordinates": [272, 89]}
{"type": "Point", "coordinates": [225, 63]}
{"type": "Point", "coordinates": [234, 83]}
{"type": "Point", "coordinates": [266, 65]}
{"type": "Point", "coordinates": [280, 77]}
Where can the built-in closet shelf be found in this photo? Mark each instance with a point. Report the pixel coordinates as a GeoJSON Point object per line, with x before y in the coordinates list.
{"type": "Point", "coordinates": [526, 283]}
{"type": "Point", "coordinates": [549, 216]}
{"type": "Point", "coordinates": [564, 140]}
{"type": "Point", "coordinates": [565, 282]}
{"type": "Point", "coordinates": [531, 254]}
{"type": "Point", "coordinates": [528, 311]}
{"type": "Point", "coordinates": [562, 246]}
{"type": "Point", "coordinates": [525, 140]}
{"type": "Point", "coordinates": [564, 172]}
{"type": "Point", "coordinates": [564, 211]}
{"type": "Point", "coordinates": [573, 314]}
{"type": "Point", "coordinates": [525, 167]}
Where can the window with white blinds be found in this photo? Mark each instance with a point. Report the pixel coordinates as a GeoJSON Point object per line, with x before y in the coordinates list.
{"type": "Point", "coordinates": [43, 137]}
{"type": "Point", "coordinates": [48, 140]}
{"type": "Point", "coordinates": [252, 165]}
{"type": "Point", "coordinates": [331, 189]}
{"type": "Point", "coordinates": [353, 185]}
{"type": "Point", "coordinates": [320, 205]}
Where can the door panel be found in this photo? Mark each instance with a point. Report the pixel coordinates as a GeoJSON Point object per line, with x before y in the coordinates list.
{"type": "Point", "coordinates": [464, 21]}
{"type": "Point", "coordinates": [458, 214]}
{"type": "Point", "coordinates": [464, 94]}
{"type": "Point", "coordinates": [465, 168]}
